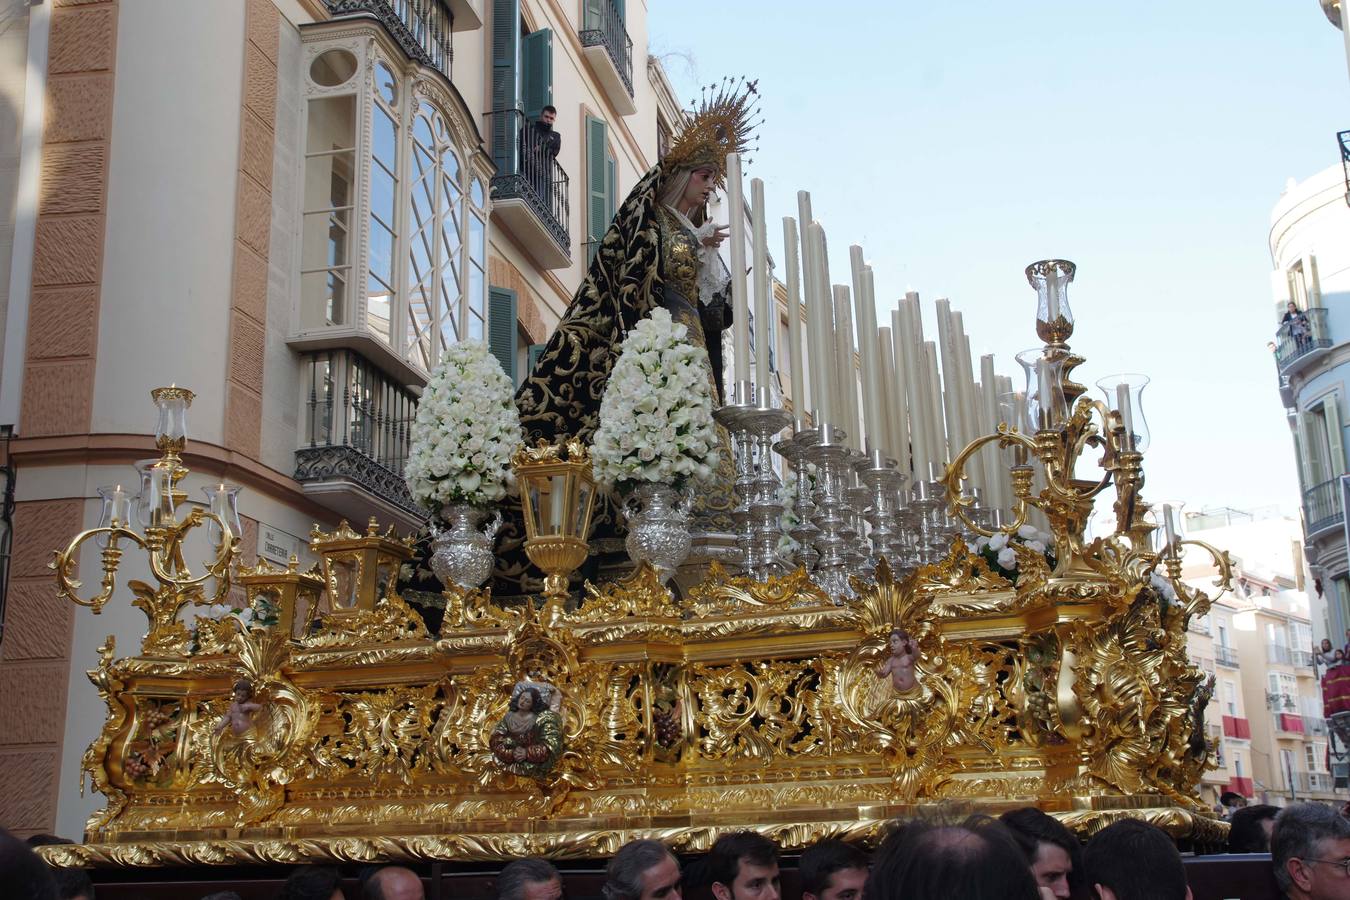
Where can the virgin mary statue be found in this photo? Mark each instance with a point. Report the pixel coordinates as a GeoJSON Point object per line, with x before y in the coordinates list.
{"type": "Point", "coordinates": [661, 250]}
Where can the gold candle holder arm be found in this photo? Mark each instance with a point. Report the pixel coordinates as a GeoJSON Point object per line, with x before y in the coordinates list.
{"type": "Point", "coordinates": [955, 473]}
{"type": "Point", "coordinates": [168, 542]}
{"type": "Point", "coordinates": [68, 586]}
{"type": "Point", "coordinates": [1172, 560]}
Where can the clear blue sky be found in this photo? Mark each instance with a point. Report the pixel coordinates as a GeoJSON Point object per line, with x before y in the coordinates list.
{"type": "Point", "coordinates": [1147, 142]}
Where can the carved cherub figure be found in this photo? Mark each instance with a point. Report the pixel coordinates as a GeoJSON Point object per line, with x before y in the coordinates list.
{"type": "Point", "coordinates": [900, 664]}
{"type": "Point", "coordinates": [239, 717]}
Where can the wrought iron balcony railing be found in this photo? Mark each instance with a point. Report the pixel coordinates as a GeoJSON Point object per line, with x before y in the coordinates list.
{"type": "Point", "coordinates": [1226, 656]}
{"type": "Point", "coordinates": [1343, 140]}
{"type": "Point", "coordinates": [357, 427]}
{"type": "Point", "coordinates": [421, 27]}
{"type": "Point", "coordinates": [602, 26]}
{"type": "Point", "coordinates": [527, 170]}
{"type": "Point", "coordinates": [1322, 506]}
{"type": "Point", "coordinates": [1294, 340]}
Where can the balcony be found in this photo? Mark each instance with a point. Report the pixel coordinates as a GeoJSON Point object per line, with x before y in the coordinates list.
{"type": "Point", "coordinates": [1302, 658]}
{"type": "Point", "coordinates": [1316, 725]}
{"type": "Point", "coordinates": [1292, 345]}
{"type": "Point", "coordinates": [1243, 786]}
{"type": "Point", "coordinates": [1320, 783]}
{"type": "Point", "coordinates": [1322, 507]}
{"type": "Point", "coordinates": [1237, 727]}
{"type": "Point", "coordinates": [1278, 653]}
{"type": "Point", "coordinates": [357, 430]}
{"type": "Point", "coordinates": [420, 27]}
{"type": "Point", "coordinates": [609, 51]}
{"type": "Point", "coordinates": [530, 189]}
{"type": "Point", "coordinates": [1226, 656]}
{"type": "Point", "coordinates": [1288, 724]}
{"type": "Point", "coordinates": [1199, 624]}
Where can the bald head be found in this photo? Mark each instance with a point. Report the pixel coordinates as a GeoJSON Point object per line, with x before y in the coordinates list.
{"type": "Point", "coordinates": [394, 883]}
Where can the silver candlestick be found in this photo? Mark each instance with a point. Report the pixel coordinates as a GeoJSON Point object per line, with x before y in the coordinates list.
{"type": "Point", "coordinates": [794, 449]}
{"type": "Point", "coordinates": [881, 479]}
{"type": "Point", "coordinates": [831, 457]}
{"type": "Point", "coordinates": [859, 497]}
{"type": "Point", "coordinates": [758, 510]}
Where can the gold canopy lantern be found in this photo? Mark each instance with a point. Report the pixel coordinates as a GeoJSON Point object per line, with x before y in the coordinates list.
{"type": "Point", "coordinates": [558, 496]}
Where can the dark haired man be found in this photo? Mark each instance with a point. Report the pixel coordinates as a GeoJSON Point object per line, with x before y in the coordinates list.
{"type": "Point", "coordinates": [1132, 860]}
{"type": "Point", "coordinates": [743, 865]}
{"type": "Point", "coordinates": [1250, 827]}
{"type": "Point", "coordinates": [539, 146]}
{"type": "Point", "coordinates": [643, 870]}
{"type": "Point", "coordinates": [832, 870]}
{"type": "Point", "coordinates": [529, 879]}
{"type": "Point", "coordinates": [1051, 850]}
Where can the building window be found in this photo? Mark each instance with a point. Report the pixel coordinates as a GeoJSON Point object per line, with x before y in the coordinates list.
{"type": "Point", "coordinates": [389, 171]}
{"type": "Point", "coordinates": [1230, 699]}
{"type": "Point", "coordinates": [1321, 442]}
{"type": "Point", "coordinates": [1315, 754]}
{"type": "Point", "coordinates": [601, 184]}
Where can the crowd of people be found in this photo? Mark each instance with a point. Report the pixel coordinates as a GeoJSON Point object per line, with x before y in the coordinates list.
{"type": "Point", "coordinates": [1023, 855]}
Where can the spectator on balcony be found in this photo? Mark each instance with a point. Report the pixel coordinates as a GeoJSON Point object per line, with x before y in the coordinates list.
{"type": "Point", "coordinates": [1295, 322]}
{"type": "Point", "coordinates": [1310, 851]}
{"type": "Point", "coordinates": [539, 146]}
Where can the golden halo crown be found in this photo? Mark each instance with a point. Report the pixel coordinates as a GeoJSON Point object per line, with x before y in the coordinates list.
{"type": "Point", "coordinates": [723, 122]}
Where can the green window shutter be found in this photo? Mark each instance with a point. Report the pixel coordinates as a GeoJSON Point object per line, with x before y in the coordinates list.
{"type": "Point", "coordinates": [1300, 442]}
{"type": "Point", "coordinates": [532, 354]}
{"type": "Point", "coordinates": [618, 7]}
{"type": "Point", "coordinates": [1312, 449]}
{"type": "Point", "coordinates": [597, 203]}
{"type": "Point", "coordinates": [611, 188]}
{"type": "Point", "coordinates": [536, 68]}
{"type": "Point", "coordinates": [1335, 437]}
{"type": "Point", "coordinates": [502, 328]}
{"type": "Point", "coordinates": [505, 83]}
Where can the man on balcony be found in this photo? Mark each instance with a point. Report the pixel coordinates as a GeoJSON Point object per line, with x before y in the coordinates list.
{"type": "Point", "coordinates": [539, 146]}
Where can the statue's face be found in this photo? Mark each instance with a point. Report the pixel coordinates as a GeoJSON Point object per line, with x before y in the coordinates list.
{"type": "Point", "coordinates": [898, 641]}
{"type": "Point", "coordinates": [700, 187]}
{"type": "Point", "coordinates": [240, 694]}
{"type": "Point", "coordinates": [526, 701]}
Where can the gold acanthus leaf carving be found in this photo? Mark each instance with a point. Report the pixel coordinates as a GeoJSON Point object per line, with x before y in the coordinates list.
{"type": "Point", "coordinates": [722, 593]}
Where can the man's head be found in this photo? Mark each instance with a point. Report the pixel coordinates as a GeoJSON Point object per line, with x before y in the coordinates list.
{"type": "Point", "coordinates": [1250, 827]}
{"type": "Point", "coordinates": [547, 115]}
{"type": "Point", "coordinates": [743, 865]}
{"type": "Point", "coordinates": [643, 870]}
{"type": "Point", "coordinates": [313, 883]}
{"type": "Point", "coordinates": [392, 883]}
{"type": "Point", "coordinates": [23, 872]}
{"type": "Point", "coordinates": [832, 870]}
{"type": "Point", "coordinates": [71, 884]}
{"type": "Point", "coordinates": [1232, 800]}
{"type": "Point", "coordinates": [973, 860]}
{"type": "Point", "coordinates": [1132, 860]}
{"type": "Point", "coordinates": [1050, 849]}
{"type": "Point", "coordinates": [1310, 849]}
{"type": "Point", "coordinates": [529, 879]}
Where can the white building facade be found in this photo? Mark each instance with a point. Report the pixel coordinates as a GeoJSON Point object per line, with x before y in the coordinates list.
{"type": "Point", "coordinates": [290, 207]}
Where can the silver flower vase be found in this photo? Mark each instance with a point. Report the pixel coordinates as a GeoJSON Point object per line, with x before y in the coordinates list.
{"type": "Point", "coordinates": [462, 553]}
{"type": "Point", "coordinates": [658, 527]}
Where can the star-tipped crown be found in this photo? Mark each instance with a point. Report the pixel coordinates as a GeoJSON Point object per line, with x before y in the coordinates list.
{"type": "Point", "coordinates": [723, 122]}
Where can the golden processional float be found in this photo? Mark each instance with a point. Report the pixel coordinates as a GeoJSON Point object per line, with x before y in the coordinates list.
{"type": "Point", "coordinates": [823, 701]}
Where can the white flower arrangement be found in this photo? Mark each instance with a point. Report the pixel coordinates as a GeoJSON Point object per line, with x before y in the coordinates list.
{"type": "Point", "coordinates": [656, 420]}
{"type": "Point", "coordinates": [466, 430]}
{"type": "Point", "coordinates": [1000, 554]}
{"type": "Point", "coordinates": [1163, 586]}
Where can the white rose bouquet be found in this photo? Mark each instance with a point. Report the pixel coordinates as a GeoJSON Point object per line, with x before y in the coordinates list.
{"type": "Point", "coordinates": [998, 551]}
{"type": "Point", "coordinates": [656, 420]}
{"type": "Point", "coordinates": [466, 429]}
